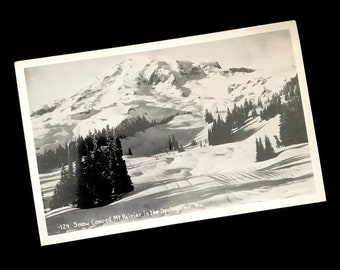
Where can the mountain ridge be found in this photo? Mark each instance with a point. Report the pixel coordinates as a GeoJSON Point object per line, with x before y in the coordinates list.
{"type": "Point", "coordinates": [154, 88]}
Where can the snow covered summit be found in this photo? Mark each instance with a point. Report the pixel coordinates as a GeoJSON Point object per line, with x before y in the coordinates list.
{"type": "Point", "coordinates": [154, 88]}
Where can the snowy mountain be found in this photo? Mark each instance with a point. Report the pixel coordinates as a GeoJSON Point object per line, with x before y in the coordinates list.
{"type": "Point", "coordinates": [154, 88]}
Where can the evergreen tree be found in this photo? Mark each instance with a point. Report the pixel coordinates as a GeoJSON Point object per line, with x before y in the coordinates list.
{"type": "Point", "coordinates": [61, 156]}
{"type": "Point", "coordinates": [292, 122]}
{"type": "Point", "coordinates": [72, 151]}
{"type": "Point", "coordinates": [81, 147]}
{"type": "Point", "coordinates": [129, 152]}
{"type": "Point", "coordinates": [221, 131]}
{"type": "Point", "coordinates": [170, 143]}
{"type": "Point", "coordinates": [269, 150]}
{"type": "Point", "coordinates": [65, 190]}
{"type": "Point", "coordinates": [278, 142]}
{"type": "Point", "coordinates": [264, 152]}
{"type": "Point", "coordinates": [102, 173]}
{"type": "Point", "coordinates": [174, 143]}
{"type": "Point", "coordinates": [122, 183]}
{"type": "Point", "coordinates": [260, 153]}
{"type": "Point", "coordinates": [208, 117]}
{"type": "Point", "coordinates": [85, 190]}
{"type": "Point", "coordinates": [253, 112]}
{"type": "Point", "coordinates": [193, 142]}
{"type": "Point", "coordinates": [181, 148]}
{"type": "Point", "coordinates": [89, 141]}
{"type": "Point", "coordinates": [102, 176]}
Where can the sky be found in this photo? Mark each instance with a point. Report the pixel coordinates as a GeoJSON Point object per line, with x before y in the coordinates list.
{"type": "Point", "coordinates": [271, 50]}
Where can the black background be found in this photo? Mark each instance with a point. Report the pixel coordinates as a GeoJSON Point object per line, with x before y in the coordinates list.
{"type": "Point", "coordinates": [301, 232]}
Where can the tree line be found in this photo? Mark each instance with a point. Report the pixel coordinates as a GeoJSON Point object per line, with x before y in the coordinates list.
{"type": "Point", "coordinates": [52, 159]}
{"type": "Point", "coordinates": [98, 175]}
{"type": "Point", "coordinates": [287, 103]}
{"type": "Point", "coordinates": [174, 144]}
{"type": "Point", "coordinates": [264, 152]}
{"type": "Point", "coordinates": [221, 130]}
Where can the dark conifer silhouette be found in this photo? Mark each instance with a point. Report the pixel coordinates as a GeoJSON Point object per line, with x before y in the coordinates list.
{"type": "Point", "coordinates": [292, 123]}
{"type": "Point", "coordinates": [170, 143]}
{"type": "Point", "coordinates": [66, 189]}
{"type": "Point", "coordinates": [269, 150]}
{"type": "Point", "coordinates": [260, 155]}
{"type": "Point", "coordinates": [264, 152]}
{"type": "Point", "coordinates": [98, 175]}
{"type": "Point", "coordinates": [221, 131]}
{"type": "Point", "coordinates": [208, 117]}
{"type": "Point", "coordinates": [122, 182]}
{"type": "Point", "coordinates": [181, 148]}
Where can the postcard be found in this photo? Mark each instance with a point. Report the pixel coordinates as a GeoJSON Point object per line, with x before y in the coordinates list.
{"type": "Point", "coordinates": [168, 132]}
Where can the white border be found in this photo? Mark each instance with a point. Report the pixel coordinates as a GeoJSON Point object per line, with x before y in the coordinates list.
{"type": "Point", "coordinates": [45, 239]}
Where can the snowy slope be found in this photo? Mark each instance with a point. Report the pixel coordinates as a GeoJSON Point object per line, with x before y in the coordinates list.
{"type": "Point", "coordinates": [203, 178]}
{"type": "Point", "coordinates": [155, 88]}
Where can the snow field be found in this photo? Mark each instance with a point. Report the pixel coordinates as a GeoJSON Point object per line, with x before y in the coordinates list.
{"type": "Point", "coordinates": [212, 176]}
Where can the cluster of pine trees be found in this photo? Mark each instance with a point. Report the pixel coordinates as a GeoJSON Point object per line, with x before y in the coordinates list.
{"type": "Point", "coordinates": [264, 152]}
{"type": "Point", "coordinates": [52, 159]}
{"type": "Point", "coordinates": [221, 130]}
{"type": "Point", "coordinates": [97, 177]}
{"type": "Point", "coordinates": [129, 127]}
{"type": "Point", "coordinates": [292, 123]}
{"type": "Point", "coordinates": [174, 144]}
{"type": "Point", "coordinates": [288, 104]}
{"type": "Point", "coordinates": [273, 108]}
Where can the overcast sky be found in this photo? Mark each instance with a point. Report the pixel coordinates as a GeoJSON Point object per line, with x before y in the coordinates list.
{"type": "Point", "coordinates": [261, 51]}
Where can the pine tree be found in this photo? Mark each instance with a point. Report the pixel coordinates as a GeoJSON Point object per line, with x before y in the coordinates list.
{"type": "Point", "coordinates": [210, 137]}
{"type": "Point", "coordinates": [254, 113]}
{"type": "Point", "coordinates": [181, 148]}
{"type": "Point", "coordinates": [170, 143]}
{"type": "Point", "coordinates": [101, 174]}
{"type": "Point", "coordinates": [81, 147]}
{"type": "Point", "coordinates": [278, 142]}
{"type": "Point", "coordinates": [269, 150]}
{"type": "Point", "coordinates": [89, 142]}
{"type": "Point", "coordinates": [292, 122]}
{"type": "Point", "coordinates": [208, 117]}
{"type": "Point", "coordinates": [174, 142]}
{"type": "Point", "coordinates": [85, 190]}
{"type": "Point", "coordinates": [260, 153]}
{"type": "Point", "coordinates": [122, 183]}
{"type": "Point", "coordinates": [129, 152]}
{"type": "Point", "coordinates": [220, 131]}
{"type": "Point", "coordinates": [66, 189]}
{"type": "Point", "coordinates": [193, 142]}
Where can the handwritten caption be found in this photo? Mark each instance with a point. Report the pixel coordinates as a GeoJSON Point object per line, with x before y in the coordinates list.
{"type": "Point", "coordinates": [128, 216]}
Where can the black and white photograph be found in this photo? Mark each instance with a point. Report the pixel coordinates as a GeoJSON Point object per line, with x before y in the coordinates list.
{"type": "Point", "coordinates": [168, 132]}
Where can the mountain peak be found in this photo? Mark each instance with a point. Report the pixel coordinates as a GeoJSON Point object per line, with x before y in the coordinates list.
{"type": "Point", "coordinates": [213, 64]}
{"type": "Point", "coordinates": [154, 87]}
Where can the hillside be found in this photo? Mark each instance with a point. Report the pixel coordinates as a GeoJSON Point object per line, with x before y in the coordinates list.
{"type": "Point", "coordinates": [167, 100]}
{"type": "Point", "coordinates": [201, 178]}
{"type": "Point", "coordinates": [153, 88]}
